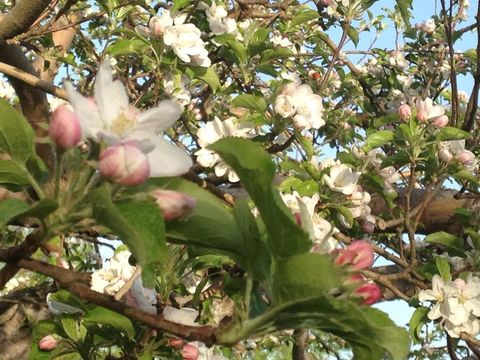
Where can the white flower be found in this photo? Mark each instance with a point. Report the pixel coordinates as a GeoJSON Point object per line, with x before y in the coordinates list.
{"type": "Point", "coordinates": [186, 42]}
{"type": "Point", "coordinates": [110, 118]}
{"type": "Point", "coordinates": [146, 298]}
{"type": "Point", "coordinates": [176, 87]}
{"type": "Point", "coordinates": [342, 179]}
{"type": "Point", "coordinates": [220, 23]}
{"type": "Point", "coordinates": [437, 294]}
{"type": "Point", "coordinates": [397, 59]}
{"type": "Point", "coordinates": [428, 26]}
{"type": "Point", "coordinates": [426, 110]}
{"type": "Point", "coordinates": [184, 316]}
{"type": "Point", "coordinates": [300, 102]}
{"type": "Point", "coordinates": [210, 133]}
{"type": "Point", "coordinates": [114, 275]}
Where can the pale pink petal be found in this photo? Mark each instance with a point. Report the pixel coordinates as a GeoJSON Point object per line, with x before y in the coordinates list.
{"type": "Point", "coordinates": [167, 159]}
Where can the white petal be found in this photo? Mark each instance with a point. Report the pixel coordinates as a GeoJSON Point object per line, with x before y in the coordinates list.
{"type": "Point", "coordinates": [167, 159]}
{"type": "Point", "coordinates": [86, 111]}
{"type": "Point", "coordinates": [161, 117]}
{"type": "Point", "coordinates": [185, 316]}
{"type": "Point", "coordinates": [112, 99]}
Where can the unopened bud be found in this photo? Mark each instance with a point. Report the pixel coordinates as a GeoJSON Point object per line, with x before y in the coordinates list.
{"type": "Point", "coordinates": [368, 227]}
{"type": "Point", "coordinates": [359, 254]}
{"type": "Point", "coordinates": [175, 343]}
{"type": "Point", "coordinates": [404, 111]}
{"type": "Point", "coordinates": [422, 116]}
{"type": "Point", "coordinates": [370, 293]}
{"type": "Point", "coordinates": [190, 352]}
{"type": "Point", "coordinates": [174, 204]}
{"type": "Point", "coordinates": [65, 128]}
{"type": "Point", "coordinates": [125, 164]}
{"type": "Point", "coordinates": [466, 158]}
{"type": "Point", "coordinates": [445, 155]}
{"type": "Point", "coordinates": [47, 343]}
{"type": "Point", "coordinates": [440, 121]}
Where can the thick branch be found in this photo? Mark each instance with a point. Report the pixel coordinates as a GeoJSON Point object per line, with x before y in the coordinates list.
{"type": "Point", "coordinates": [21, 17]}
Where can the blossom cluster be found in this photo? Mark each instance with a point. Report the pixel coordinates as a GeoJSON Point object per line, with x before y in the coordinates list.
{"type": "Point", "coordinates": [455, 303]}
{"type": "Point", "coordinates": [298, 101]}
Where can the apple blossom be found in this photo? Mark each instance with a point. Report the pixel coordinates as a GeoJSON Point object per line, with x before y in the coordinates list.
{"type": "Point", "coordinates": [112, 119]}
{"type": "Point", "coordinates": [176, 87]}
{"type": "Point", "coordinates": [440, 121]}
{"type": "Point", "coordinates": [369, 292]}
{"type": "Point", "coordinates": [213, 131]}
{"type": "Point", "coordinates": [159, 23]}
{"type": "Point", "coordinates": [219, 22]}
{"type": "Point", "coordinates": [426, 110]}
{"type": "Point", "coordinates": [342, 179]}
{"type": "Point", "coordinates": [114, 274]}
{"type": "Point", "coordinates": [125, 164]}
{"type": "Point", "coordinates": [359, 254]}
{"type": "Point", "coordinates": [173, 204]}
{"type": "Point", "coordinates": [466, 158]}
{"type": "Point", "coordinates": [186, 42]}
{"type": "Point", "coordinates": [404, 111]}
{"type": "Point", "coordinates": [65, 128]}
{"type": "Point", "coordinates": [190, 352]}
{"type": "Point", "coordinates": [48, 343]}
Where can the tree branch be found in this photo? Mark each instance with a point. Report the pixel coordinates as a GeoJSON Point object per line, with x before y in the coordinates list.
{"type": "Point", "coordinates": [21, 17]}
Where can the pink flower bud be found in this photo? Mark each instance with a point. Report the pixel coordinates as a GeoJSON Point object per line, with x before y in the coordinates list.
{"type": "Point", "coordinates": [125, 164]}
{"type": "Point", "coordinates": [368, 227]}
{"type": "Point", "coordinates": [359, 254]}
{"type": "Point", "coordinates": [175, 343]}
{"type": "Point", "coordinates": [354, 278]}
{"type": "Point", "coordinates": [445, 155]}
{"type": "Point", "coordinates": [422, 116]}
{"type": "Point", "coordinates": [466, 158]}
{"type": "Point", "coordinates": [370, 293]}
{"type": "Point", "coordinates": [65, 128]}
{"type": "Point", "coordinates": [173, 204]}
{"type": "Point", "coordinates": [190, 352]}
{"type": "Point", "coordinates": [440, 121]}
{"type": "Point", "coordinates": [404, 111]}
{"type": "Point", "coordinates": [47, 343]}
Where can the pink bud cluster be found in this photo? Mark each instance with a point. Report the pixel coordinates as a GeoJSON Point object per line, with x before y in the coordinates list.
{"type": "Point", "coordinates": [359, 255]}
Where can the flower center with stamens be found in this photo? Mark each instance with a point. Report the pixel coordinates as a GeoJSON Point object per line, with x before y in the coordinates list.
{"type": "Point", "coordinates": [125, 122]}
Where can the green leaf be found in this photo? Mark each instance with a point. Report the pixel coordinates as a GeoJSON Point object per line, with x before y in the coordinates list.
{"type": "Point", "coordinates": [257, 256]}
{"type": "Point", "coordinates": [41, 329]}
{"type": "Point", "coordinates": [289, 286]}
{"type": "Point", "coordinates": [303, 16]}
{"type": "Point", "coordinates": [256, 171]}
{"type": "Point", "coordinates": [418, 319]}
{"type": "Point", "coordinates": [103, 316]}
{"type": "Point", "coordinates": [353, 35]}
{"type": "Point", "coordinates": [16, 134]}
{"type": "Point", "coordinates": [210, 225]}
{"type": "Point", "coordinates": [378, 138]}
{"type": "Point", "coordinates": [446, 239]}
{"type": "Point", "coordinates": [71, 327]}
{"type": "Point", "coordinates": [139, 224]}
{"type": "Point", "coordinates": [10, 208]}
{"type": "Point", "coordinates": [443, 268]}
{"type": "Point", "coordinates": [40, 210]}
{"type": "Point", "coordinates": [12, 176]}
{"type": "Point", "coordinates": [451, 133]}
{"type": "Point", "coordinates": [126, 47]}
{"type": "Point", "coordinates": [208, 75]}
{"type": "Point", "coordinates": [259, 41]}
{"type": "Point", "coordinates": [251, 102]}
{"type": "Point", "coordinates": [179, 4]}
{"type": "Point", "coordinates": [465, 175]}
{"type": "Point", "coordinates": [404, 6]}
{"type": "Point", "coordinates": [275, 54]}
{"type": "Point", "coordinates": [347, 214]}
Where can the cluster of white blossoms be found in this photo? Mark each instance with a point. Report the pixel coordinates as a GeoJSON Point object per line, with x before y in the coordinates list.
{"type": "Point", "coordinates": [213, 131]}
{"type": "Point", "coordinates": [184, 39]}
{"type": "Point", "coordinates": [115, 274]}
{"type": "Point", "coordinates": [176, 87]}
{"type": "Point", "coordinates": [397, 60]}
{"type": "Point", "coordinates": [319, 230]}
{"type": "Point", "coordinates": [298, 101]}
{"type": "Point", "coordinates": [428, 26]}
{"type": "Point", "coordinates": [7, 92]}
{"type": "Point", "coordinates": [456, 303]}
{"type": "Point", "coordinates": [455, 150]}
{"type": "Point", "coordinates": [218, 20]}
